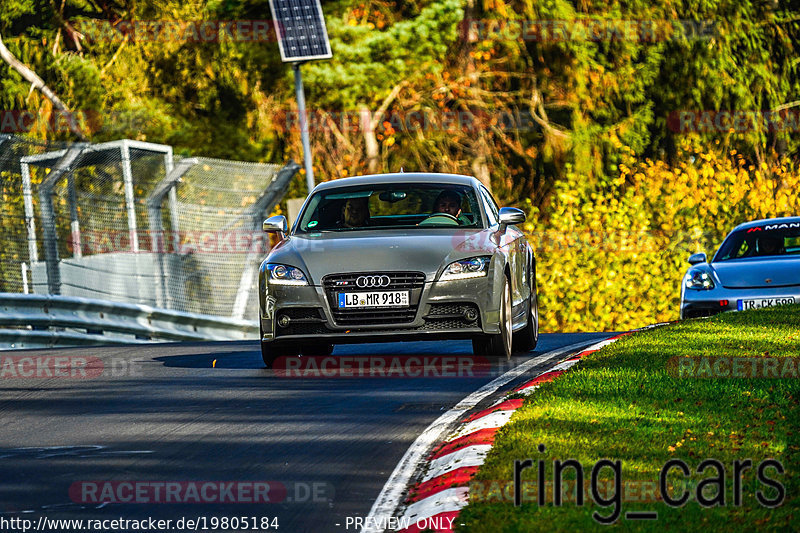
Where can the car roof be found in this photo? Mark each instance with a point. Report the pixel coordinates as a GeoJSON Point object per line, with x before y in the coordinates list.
{"type": "Point", "coordinates": [761, 222]}
{"type": "Point", "coordinates": [400, 177]}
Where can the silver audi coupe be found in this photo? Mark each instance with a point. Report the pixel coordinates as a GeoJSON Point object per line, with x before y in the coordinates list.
{"type": "Point", "coordinates": [757, 265]}
{"type": "Point", "coordinates": [398, 257]}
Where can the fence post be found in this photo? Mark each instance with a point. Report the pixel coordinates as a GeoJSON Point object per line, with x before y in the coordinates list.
{"type": "Point", "coordinates": [271, 196]}
{"type": "Point", "coordinates": [24, 268]}
{"type": "Point", "coordinates": [74, 225]}
{"type": "Point", "coordinates": [63, 165]}
{"type": "Point", "coordinates": [172, 196]}
{"type": "Point", "coordinates": [166, 186]}
{"type": "Point", "coordinates": [30, 219]}
{"type": "Point", "coordinates": [127, 177]}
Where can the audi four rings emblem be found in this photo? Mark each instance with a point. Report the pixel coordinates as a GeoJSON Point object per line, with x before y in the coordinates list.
{"type": "Point", "coordinates": [373, 281]}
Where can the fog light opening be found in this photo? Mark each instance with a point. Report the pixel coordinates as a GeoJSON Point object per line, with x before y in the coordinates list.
{"type": "Point", "coordinates": [471, 315]}
{"type": "Point", "coordinates": [283, 321]}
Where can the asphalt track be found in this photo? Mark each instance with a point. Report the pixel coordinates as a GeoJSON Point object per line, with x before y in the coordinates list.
{"type": "Point", "coordinates": [161, 413]}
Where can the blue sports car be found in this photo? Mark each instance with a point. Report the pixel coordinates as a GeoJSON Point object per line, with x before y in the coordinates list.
{"type": "Point", "coordinates": [758, 265]}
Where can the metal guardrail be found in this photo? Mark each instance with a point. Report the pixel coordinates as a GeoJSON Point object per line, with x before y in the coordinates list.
{"type": "Point", "coordinates": [46, 321]}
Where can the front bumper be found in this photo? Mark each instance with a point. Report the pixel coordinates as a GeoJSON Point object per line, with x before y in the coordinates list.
{"type": "Point", "coordinates": [457, 309]}
{"type": "Point", "coordinates": [696, 303]}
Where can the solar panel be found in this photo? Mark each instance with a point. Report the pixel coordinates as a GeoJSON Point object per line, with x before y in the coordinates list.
{"type": "Point", "coordinates": [300, 26]}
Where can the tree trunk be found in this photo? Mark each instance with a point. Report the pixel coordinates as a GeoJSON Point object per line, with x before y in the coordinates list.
{"type": "Point", "coordinates": [370, 142]}
{"type": "Point", "coordinates": [480, 163]}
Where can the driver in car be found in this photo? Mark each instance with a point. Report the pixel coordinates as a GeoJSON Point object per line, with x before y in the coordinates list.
{"type": "Point", "coordinates": [449, 202]}
{"type": "Point", "coordinates": [770, 245]}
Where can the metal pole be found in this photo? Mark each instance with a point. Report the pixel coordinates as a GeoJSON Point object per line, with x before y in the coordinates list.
{"type": "Point", "coordinates": [66, 163]}
{"type": "Point", "coordinates": [74, 225]}
{"type": "Point", "coordinates": [24, 278]}
{"type": "Point", "coordinates": [272, 195]}
{"type": "Point", "coordinates": [50, 239]}
{"type": "Point", "coordinates": [172, 195]}
{"type": "Point", "coordinates": [159, 243]}
{"type": "Point", "coordinates": [30, 220]}
{"type": "Point", "coordinates": [127, 177]}
{"type": "Point", "coordinates": [301, 110]}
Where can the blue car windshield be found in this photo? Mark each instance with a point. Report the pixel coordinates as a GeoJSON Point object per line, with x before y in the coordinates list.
{"type": "Point", "coordinates": [769, 240]}
{"type": "Point", "coordinates": [413, 206]}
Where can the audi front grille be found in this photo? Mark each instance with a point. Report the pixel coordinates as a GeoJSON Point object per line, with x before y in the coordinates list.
{"type": "Point", "coordinates": [375, 281]}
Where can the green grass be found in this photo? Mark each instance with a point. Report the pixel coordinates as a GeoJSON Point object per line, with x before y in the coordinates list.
{"type": "Point", "coordinates": [628, 403]}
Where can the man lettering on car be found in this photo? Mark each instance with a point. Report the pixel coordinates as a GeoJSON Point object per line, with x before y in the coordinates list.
{"type": "Point", "coordinates": [355, 213]}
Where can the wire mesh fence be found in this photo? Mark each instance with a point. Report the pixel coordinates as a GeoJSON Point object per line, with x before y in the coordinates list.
{"type": "Point", "coordinates": [126, 221]}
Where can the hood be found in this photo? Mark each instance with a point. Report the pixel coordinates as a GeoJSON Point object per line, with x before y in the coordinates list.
{"type": "Point", "coordinates": [754, 272]}
{"type": "Point", "coordinates": [319, 254]}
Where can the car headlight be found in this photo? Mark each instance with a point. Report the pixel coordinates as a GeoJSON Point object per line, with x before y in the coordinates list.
{"type": "Point", "coordinates": [698, 280]}
{"type": "Point", "coordinates": [286, 275]}
{"type": "Point", "coordinates": [474, 267]}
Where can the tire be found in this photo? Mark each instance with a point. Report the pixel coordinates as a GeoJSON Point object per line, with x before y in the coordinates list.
{"type": "Point", "coordinates": [320, 349]}
{"type": "Point", "coordinates": [270, 351]}
{"type": "Point", "coordinates": [498, 345]}
{"type": "Point", "coordinates": [268, 354]}
{"type": "Point", "coordinates": [526, 339]}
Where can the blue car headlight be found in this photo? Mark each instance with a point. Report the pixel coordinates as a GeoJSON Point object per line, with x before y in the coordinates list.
{"type": "Point", "coordinates": [698, 280]}
{"type": "Point", "coordinates": [285, 275]}
{"type": "Point", "coordinates": [474, 267]}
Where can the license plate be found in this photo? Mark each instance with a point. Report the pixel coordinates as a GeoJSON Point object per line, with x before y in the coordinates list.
{"type": "Point", "coordinates": [352, 300]}
{"type": "Point", "coordinates": [758, 303]}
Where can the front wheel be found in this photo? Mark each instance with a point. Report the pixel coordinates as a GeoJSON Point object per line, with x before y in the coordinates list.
{"type": "Point", "coordinates": [317, 349]}
{"type": "Point", "coordinates": [526, 339]}
{"type": "Point", "coordinates": [498, 345]}
{"type": "Point", "coordinates": [268, 354]}
{"type": "Point", "coordinates": [270, 351]}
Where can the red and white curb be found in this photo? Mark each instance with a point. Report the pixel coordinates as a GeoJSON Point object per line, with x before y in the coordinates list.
{"type": "Point", "coordinates": [435, 501]}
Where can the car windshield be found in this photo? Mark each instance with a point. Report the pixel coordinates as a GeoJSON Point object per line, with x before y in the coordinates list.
{"type": "Point", "coordinates": [769, 240]}
{"type": "Point", "coordinates": [389, 206]}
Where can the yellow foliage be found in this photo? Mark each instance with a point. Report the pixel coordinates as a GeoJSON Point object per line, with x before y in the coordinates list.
{"type": "Point", "coordinates": [612, 257]}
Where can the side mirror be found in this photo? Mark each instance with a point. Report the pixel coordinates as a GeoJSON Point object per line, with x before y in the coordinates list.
{"type": "Point", "coordinates": [276, 224]}
{"type": "Point", "coordinates": [698, 258]}
{"type": "Point", "coordinates": [511, 215]}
